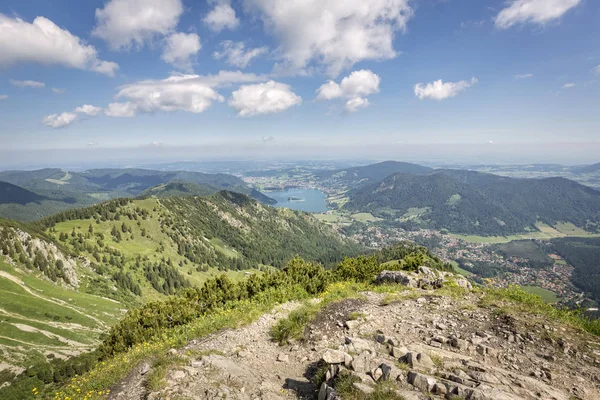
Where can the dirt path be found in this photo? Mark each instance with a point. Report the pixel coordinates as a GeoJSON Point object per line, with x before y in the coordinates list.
{"type": "Point", "coordinates": [451, 344]}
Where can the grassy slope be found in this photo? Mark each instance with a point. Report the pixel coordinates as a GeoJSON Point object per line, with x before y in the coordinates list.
{"type": "Point", "coordinates": [73, 320]}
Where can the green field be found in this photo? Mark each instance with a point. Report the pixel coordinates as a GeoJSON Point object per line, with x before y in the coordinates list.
{"type": "Point", "coordinates": [365, 217]}
{"type": "Point", "coordinates": [545, 232]}
{"type": "Point", "coordinates": [546, 295]}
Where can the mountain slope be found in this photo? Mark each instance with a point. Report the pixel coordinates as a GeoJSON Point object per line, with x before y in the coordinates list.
{"type": "Point", "coordinates": [65, 280]}
{"type": "Point", "coordinates": [373, 172]}
{"type": "Point", "coordinates": [474, 203]}
{"type": "Point", "coordinates": [10, 193]}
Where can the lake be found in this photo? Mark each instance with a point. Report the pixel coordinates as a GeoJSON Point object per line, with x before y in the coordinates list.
{"type": "Point", "coordinates": [314, 200]}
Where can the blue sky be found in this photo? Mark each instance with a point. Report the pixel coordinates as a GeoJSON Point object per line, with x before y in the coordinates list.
{"type": "Point", "coordinates": [411, 79]}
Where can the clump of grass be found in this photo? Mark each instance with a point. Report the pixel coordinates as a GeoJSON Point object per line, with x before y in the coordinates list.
{"type": "Point", "coordinates": [156, 377]}
{"type": "Point", "coordinates": [293, 326]}
{"type": "Point", "coordinates": [320, 373]}
{"type": "Point", "coordinates": [356, 315]}
{"type": "Point", "coordinates": [403, 366]}
{"type": "Point", "coordinates": [437, 360]}
{"type": "Point", "coordinates": [389, 298]}
{"type": "Point", "coordinates": [514, 298]}
{"type": "Point", "coordinates": [344, 386]}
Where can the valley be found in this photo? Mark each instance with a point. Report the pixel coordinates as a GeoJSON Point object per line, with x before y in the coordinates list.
{"type": "Point", "coordinates": [72, 278]}
{"type": "Point", "coordinates": [376, 224]}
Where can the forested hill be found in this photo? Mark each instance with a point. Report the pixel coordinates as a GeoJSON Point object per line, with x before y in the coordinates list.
{"type": "Point", "coordinates": [10, 193]}
{"type": "Point", "coordinates": [373, 172]}
{"type": "Point", "coordinates": [470, 202]}
{"type": "Point", "coordinates": [159, 245]}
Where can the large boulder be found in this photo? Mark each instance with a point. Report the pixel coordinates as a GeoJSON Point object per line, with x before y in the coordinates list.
{"type": "Point", "coordinates": [400, 277]}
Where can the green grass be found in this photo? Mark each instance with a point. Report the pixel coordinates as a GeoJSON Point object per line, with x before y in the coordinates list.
{"type": "Point", "coordinates": [292, 327]}
{"type": "Point", "coordinates": [365, 217]}
{"type": "Point", "coordinates": [546, 295]}
{"type": "Point", "coordinates": [222, 247]}
{"type": "Point", "coordinates": [382, 391]}
{"type": "Point", "coordinates": [570, 229]}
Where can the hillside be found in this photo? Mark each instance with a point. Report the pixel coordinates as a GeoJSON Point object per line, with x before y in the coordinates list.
{"type": "Point", "coordinates": [470, 202]}
{"type": "Point", "coordinates": [584, 255]}
{"type": "Point", "coordinates": [65, 280]}
{"type": "Point", "coordinates": [377, 327]}
{"type": "Point", "coordinates": [372, 173]}
{"type": "Point", "coordinates": [10, 193]}
{"type": "Point", "coordinates": [62, 190]}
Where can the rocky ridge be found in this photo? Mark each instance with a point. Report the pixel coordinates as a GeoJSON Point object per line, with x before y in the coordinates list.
{"type": "Point", "coordinates": [413, 342]}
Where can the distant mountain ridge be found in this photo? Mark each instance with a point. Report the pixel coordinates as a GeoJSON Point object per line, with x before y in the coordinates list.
{"type": "Point", "coordinates": [470, 202]}
{"type": "Point", "coordinates": [59, 190]}
{"type": "Point", "coordinates": [373, 172]}
{"type": "Point", "coordinates": [587, 169]}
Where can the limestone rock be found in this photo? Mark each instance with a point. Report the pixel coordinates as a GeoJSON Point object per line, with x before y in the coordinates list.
{"type": "Point", "coordinates": [334, 357]}
{"type": "Point", "coordinates": [422, 382]}
{"type": "Point", "coordinates": [420, 361]}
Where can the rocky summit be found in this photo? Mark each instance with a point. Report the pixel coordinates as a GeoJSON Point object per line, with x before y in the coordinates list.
{"type": "Point", "coordinates": [432, 336]}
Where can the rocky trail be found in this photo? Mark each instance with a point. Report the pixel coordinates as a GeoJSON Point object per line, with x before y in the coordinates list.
{"type": "Point", "coordinates": [417, 343]}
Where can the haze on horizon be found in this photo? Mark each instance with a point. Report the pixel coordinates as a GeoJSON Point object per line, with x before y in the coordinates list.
{"type": "Point", "coordinates": [107, 82]}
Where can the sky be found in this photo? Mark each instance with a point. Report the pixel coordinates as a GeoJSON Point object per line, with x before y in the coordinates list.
{"type": "Point", "coordinates": [512, 81]}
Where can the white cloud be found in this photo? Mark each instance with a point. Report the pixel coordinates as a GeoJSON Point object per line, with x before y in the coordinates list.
{"type": "Point", "coordinates": [89, 110]}
{"type": "Point", "coordinates": [332, 33]}
{"type": "Point", "coordinates": [67, 118]}
{"type": "Point", "coordinates": [440, 90]}
{"type": "Point", "coordinates": [534, 11]}
{"type": "Point", "coordinates": [355, 87]}
{"type": "Point", "coordinates": [221, 17]}
{"type": "Point", "coordinates": [180, 50]}
{"type": "Point", "coordinates": [58, 90]}
{"type": "Point", "coordinates": [360, 83]}
{"type": "Point", "coordinates": [568, 86]}
{"type": "Point", "coordinates": [356, 103]}
{"type": "Point", "coordinates": [43, 42]}
{"type": "Point", "coordinates": [596, 69]}
{"type": "Point", "coordinates": [523, 76]}
{"type": "Point", "coordinates": [127, 109]}
{"type": "Point", "coordinates": [124, 24]}
{"type": "Point", "coordinates": [236, 53]}
{"type": "Point", "coordinates": [59, 120]}
{"type": "Point", "coordinates": [263, 98]}
{"type": "Point", "coordinates": [329, 90]}
{"type": "Point", "coordinates": [179, 92]}
{"type": "Point", "coordinates": [28, 83]}
{"type": "Point", "coordinates": [3, 96]}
